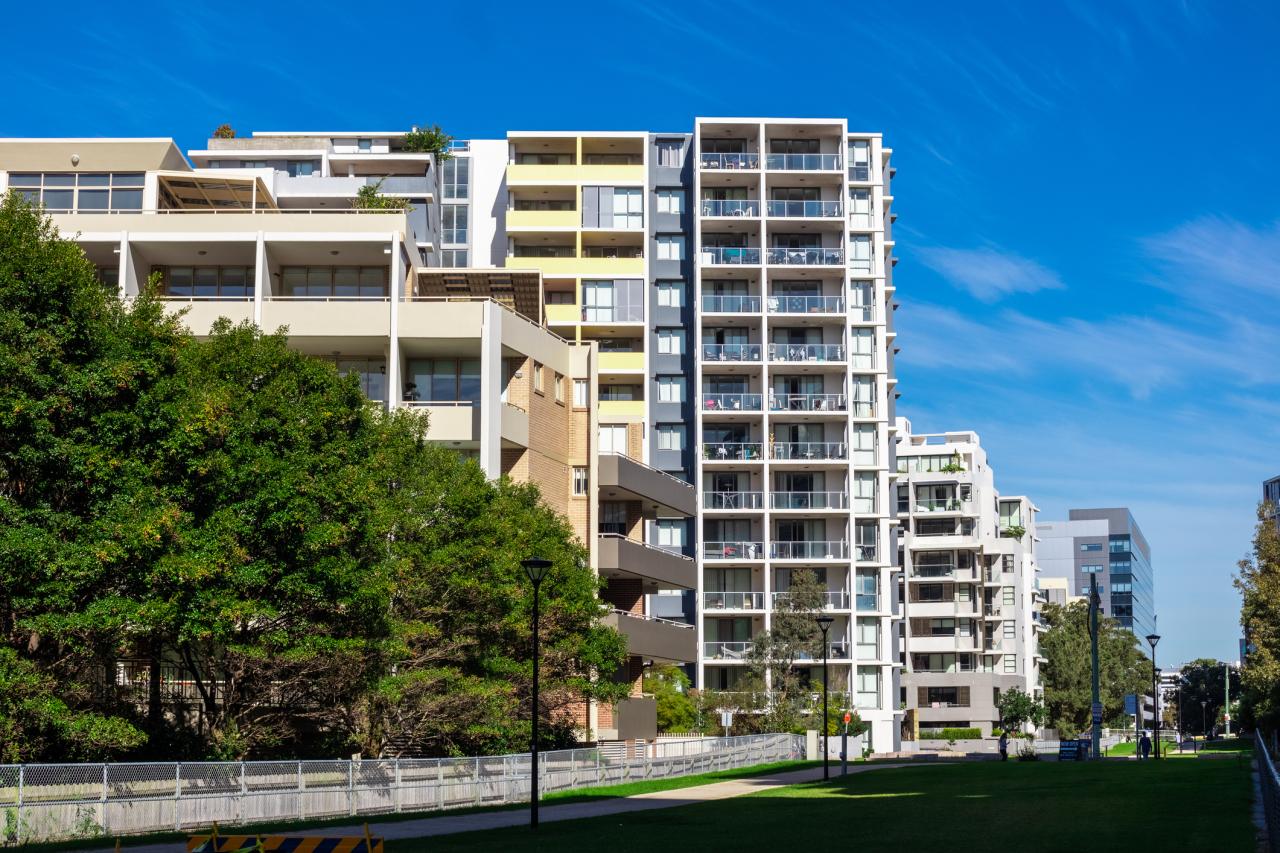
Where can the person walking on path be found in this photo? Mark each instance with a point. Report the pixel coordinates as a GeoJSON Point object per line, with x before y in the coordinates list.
{"type": "Point", "coordinates": [1004, 746]}
{"type": "Point", "coordinates": [1144, 747]}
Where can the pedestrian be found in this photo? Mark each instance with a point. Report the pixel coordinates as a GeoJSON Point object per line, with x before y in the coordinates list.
{"type": "Point", "coordinates": [1004, 746]}
{"type": "Point", "coordinates": [1144, 746]}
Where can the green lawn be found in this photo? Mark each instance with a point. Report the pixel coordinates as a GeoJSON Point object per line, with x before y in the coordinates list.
{"type": "Point", "coordinates": [1030, 807]}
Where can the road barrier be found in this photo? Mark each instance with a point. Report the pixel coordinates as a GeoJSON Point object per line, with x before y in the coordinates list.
{"type": "Point", "coordinates": [1269, 783]}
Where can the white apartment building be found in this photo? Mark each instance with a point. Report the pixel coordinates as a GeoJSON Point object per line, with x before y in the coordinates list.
{"type": "Point", "coordinates": [970, 594]}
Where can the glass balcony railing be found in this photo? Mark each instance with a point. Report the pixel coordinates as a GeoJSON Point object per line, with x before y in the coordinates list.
{"type": "Point", "coordinates": [741, 160]}
{"type": "Point", "coordinates": [806, 257]}
{"type": "Point", "coordinates": [808, 403]}
{"type": "Point", "coordinates": [719, 451]}
{"type": "Point", "coordinates": [834, 599]}
{"type": "Point", "coordinates": [784, 209]}
{"type": "Point", "coordinates": [940, 505]}
{"type": "Point", "coordinates": [783, 304]}
{"type": "Point", "coordinates": [731, 402]}
{"type": "Point", "coordinates": [732, 500]}
{"type": "Point", "coordinates": [733, 601]}
{"type": "Point", "coordinates": [809, 500]}
{"type": "Point", "coordinates": [808, 450]}
{"type": "Point", "coordinates": [866, 601]}
{"type": "Point", "coordinates": [866, 553]}
{"type": "Point", "coordinates": [731, 352]}
{"type": "Point", "coordinates": [816, 550]}
{"type": "Point", "coordinates": [726, 650]}
{"type": "Point", "coordinates": [860, 172]}
{"type": "Point", "coordinates": [612, 313]}
{"type": "Point", "coordinates": [730, 207]}
{"type": "Point", "coordinates": [730, 255]}
{"type": "Point", "coordinates": [716, 304]}
{"type": "Point", "coordinates": [937, 570]}
{"type": "Point", "coordinates": [803, 162]}
{"type": "Point", "coordinates": [733, 550]}
{"type": "Point", "coordinates": [806, 352]}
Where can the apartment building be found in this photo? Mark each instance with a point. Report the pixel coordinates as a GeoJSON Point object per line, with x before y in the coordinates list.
{"type": "Point", "coordinates": [1271, 495]}
{"type": "Point", "coordinates": [628, 318]}
{"type": "Point", "coordinates": [970, 597]}
{"type": "Point", "coordinates": [1106, 543]}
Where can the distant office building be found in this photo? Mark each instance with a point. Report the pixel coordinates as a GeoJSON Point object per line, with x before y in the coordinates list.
{"type": "Point", "coordinates": [1271, 494]}
{"type": "Point", "coordinates": [1109, 544]}
{"type": "Point", "coordinates": [1058, 591]}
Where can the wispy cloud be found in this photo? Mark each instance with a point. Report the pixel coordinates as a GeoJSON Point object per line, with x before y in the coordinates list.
{"type": "Point", "coordinates": [1220, 250]}
{"type": "Point", "coordinates": [990, 273]}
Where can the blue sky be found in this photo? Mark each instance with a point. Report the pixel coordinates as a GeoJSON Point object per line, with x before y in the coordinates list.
{"type": "Point", "coordinates": [1088, 194]}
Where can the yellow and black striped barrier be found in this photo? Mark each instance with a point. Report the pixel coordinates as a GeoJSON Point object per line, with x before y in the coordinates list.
{"type": "Point", "coordinates": [217, 843]}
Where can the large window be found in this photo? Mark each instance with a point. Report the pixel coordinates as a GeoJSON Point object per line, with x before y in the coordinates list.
{"type": "Point", "coordinates": [864, 590]}
{"type": "Point", "coordinates": [669, 152]}
{"type": "Point", "coordinates": [372, 373]}
{"type": "Point", "coordinates": [443, 380]}
{"type": "Point", "coordinates": [670, 532]}
{"type": "Point", "coordinates": [628, 207]}
{"type": "Point", "coordinates": [671, 341]}
{"type": "Point", "coordinates": [613, 438]}
{"type": "Point", "coordinates": [671, 247]}
{"type": "Point", "coordinates": [208, 282]}
{"type": "Point", "coordinates": [671, 436]}
{"type": "Point", "coordinates": [613, 300]}
{"type": "Point", "coordinates": [80, 192]}
{"type": "Point", "coordinates": [868, 687]}
{"type": "Point", "coordinates": [868, 637]}
{"type": "Point", "coordinates": [671, 293]}
{"type": "Point", "coordinates": [453, 223]}
{"type": "Point", "coordinates": [671, 389]}
{"type": "Point", "coordinates": [453, 257]}
{"type": "Point", "coordinates": [455, 174]}
{"type": "Point", "coordinates": [671, 201]}
{"type": "Point", "coordinates": [334, 282]}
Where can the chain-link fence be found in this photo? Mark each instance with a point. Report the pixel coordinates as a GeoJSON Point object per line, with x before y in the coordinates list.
{"type": "Point", "coordinates": [1269, 782]}
{"type": "Point", "coordinates": [53, 802]}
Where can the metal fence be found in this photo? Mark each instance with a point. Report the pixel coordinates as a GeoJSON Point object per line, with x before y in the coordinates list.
{"type": "Point", "coordinates": [1269, 783]}
{"type": "Point", "coordinates": [52, 802]}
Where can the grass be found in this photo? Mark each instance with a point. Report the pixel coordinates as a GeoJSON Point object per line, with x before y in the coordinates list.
{"type": "Point", "coordinates": [626, 789]}
{"type": "Point", "coordinates": [1031, 807]}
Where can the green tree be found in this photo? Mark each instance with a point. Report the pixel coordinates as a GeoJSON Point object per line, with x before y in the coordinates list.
{"type": "Point", "coordinates": [430, 140]}
{"type": "Point", "coordinates": [1258, 581]}
{"type": "Point", "coordinates": [1066, 673]}
{"type": "Point", "coordinates": [1018, 709]}
{"type": "Point", "coordinates": [1203, 681]}
{"type": "Point", "coordinates": [677, 709]}
{"type": "Point", "coordinates": [370, 197]}
{"type": "Point", "coordinates": [795, 638]}
{"type": "Point", "coordinates": [224, 131]}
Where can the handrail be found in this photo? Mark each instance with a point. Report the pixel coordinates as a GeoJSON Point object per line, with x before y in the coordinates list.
{"type": "Point", "coordinates": [282, 298]}
{"type": "Point", "coordinates": [648, 545]}
{"type": "Point", "coordinates": [744, 500]}
{"type": "Point", "coordinates": [737, 160]}
{"type": "Point", "coordinates": [453, 404]}
{"type": "Point", "coordinates": [730, 303]}
{"type": "Point", "coordinates": [168, 297]}
{"type": "Point", "coordinates": [647, 618]}
{"type": "Point", "coordinates": [666, 474]}
{"type": "Point", "coordinates": [733, 402]}
{"type": "Point", "coordinates": [808, 403]}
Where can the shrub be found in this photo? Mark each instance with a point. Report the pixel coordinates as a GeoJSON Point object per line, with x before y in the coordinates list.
{"type": "Point", "coordinates": [951, 734]}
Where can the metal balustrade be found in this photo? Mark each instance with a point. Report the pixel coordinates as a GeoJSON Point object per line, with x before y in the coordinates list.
{"type": "Point", "coordinates": [730, 304]}
{"type": "Point", "coordinates": [786, 304]}
{"type": "Point", "coordinates": [733, 601]}
{"type": "Point", "coordinates": [727, 650]}
{"type": "Point", "coordinates": [733, 550]}
{"type": "Point", "coordinates": [731, 352]}
{"type": "Point", "coordinates": [807, 451]}
{"type": "Point", "coordinates": [730, 255]}
{"type": "Point", "coordinates": [785, 209]}
{"type": "Point", "coordinates": [725, 450]}
{"type": "Point", "coordinates": [809, 550]}
{"type": "Point", "coordinates": [809, 500]}
{"type": "Point", "coordinates": [743, 160]}
{"type": "Point", "coordinates": [803, 162]}
{"type": "Point", "coordinates": [805, 257]}
{"type": "Point", "coordinates": [732, 500]}
{"type": "Point", "coordinates": [810, 403]}
{"type": "Point", "coordinates": [732, 402]}
{"type": "Point", "coordinates": [730, 207]}
{"type": "Point", "coordinates": [807, 352]}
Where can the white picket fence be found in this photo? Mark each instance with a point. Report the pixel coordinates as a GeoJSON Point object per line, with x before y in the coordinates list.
{"type": "Point", "coordinates": [53, 802]}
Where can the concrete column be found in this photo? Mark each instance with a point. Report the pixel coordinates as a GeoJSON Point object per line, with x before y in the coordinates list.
{"type": "Point", "coordinates": [491, 391]}
{"type": "Point", "coordinates": [261, 278]}
{"type": "Point", "coordinates": [127, 283]}
{"type": "Point", "coordinates": [395, 291]}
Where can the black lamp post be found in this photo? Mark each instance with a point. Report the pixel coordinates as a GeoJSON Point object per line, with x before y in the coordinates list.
{"type": "Point", "coordinates": [536, 569]}
{"type": "Point", "coordinates": [1155, 694]}
{"type": "Point", "coordinates": [824, 622]}
{"type": "Point", "coordinates": [1204, 721]}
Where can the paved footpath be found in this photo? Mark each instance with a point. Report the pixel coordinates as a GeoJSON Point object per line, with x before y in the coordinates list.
{"type": "Point", "coordinates": [447, 825]}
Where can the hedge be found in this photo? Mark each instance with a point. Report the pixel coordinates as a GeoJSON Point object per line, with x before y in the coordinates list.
{"type": "Point", "coordinates": [952, 734]}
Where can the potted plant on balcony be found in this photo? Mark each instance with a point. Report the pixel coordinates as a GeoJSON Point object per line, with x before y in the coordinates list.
{"type": "Point", "coordinates": [1014, 531]}
{"type": "Point", "coordinates": [954, 466]}
{"type": "Point", "coordinates": [428, 140]}
{"type": "Point", "coordinates": [369, 197]}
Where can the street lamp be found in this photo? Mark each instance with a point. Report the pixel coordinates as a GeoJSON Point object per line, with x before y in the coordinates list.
{"type": "Point", "coordinates": [1155, 694]}
{"type": "Point", "coordinates": [1204, 721]}
{"type": "Point", "coordinates": [824, 622]}
{"type": "Point", "coordinates": [536, 569]}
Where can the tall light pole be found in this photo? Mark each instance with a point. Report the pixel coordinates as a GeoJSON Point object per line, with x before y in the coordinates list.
{"type": "Point", "coordinates": [1155, 693]}
{"type": "Point", "coordinates": [824, 622]}
{"type": "Point", "coordinates": [1204, 721]}
{"type": "Point", "coordinates": [1226, 700]}
{"type": "Point", "coordinates": [536, 569]}
{"type": "Point", "coordinates": [1095, 601]}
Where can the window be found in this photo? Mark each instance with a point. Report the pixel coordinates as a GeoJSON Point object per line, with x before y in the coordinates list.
{"type": "Point", "coordinates": [868, 628]}
{"type": "Point", "coordinates": [671, 436]}
{"type": "Point", "coordinates": [671, 201]}
{"type": "Point", "coordinates": [364, 144]}
{"type": "Point", "coordinates": [1006, 595]}
{"type": "Point", "coordinates": [442, 380]}
{"type": "Point", "coordinates": [670, 294]}
{"type": "Point", "coordinates": [1010, 663]}
{"type": "Point", "coordinates": [208, 282]}
{"type": "Point", "coordinates": [671, 247]}
{"type": "Point", "coordinates": [334, 282]}
{"type": "Point", "coordinates": [1091, 546]}
{"type": "Point", "coordinates": [453, 257]}
{"type": "Point", "coordinates": [579, 480]}
{"type": "Point", "coordinates": [1006, 562]}
{"type": "Point", "coordinates": [537, 377]}
{"type": "Point", "coordinates": [296, 168]}
{"type": "Point", "coordinates": [613, 517]}
{"type": "Point", "coordinates": [455, 173]}
{"type": "Point", "coordinates": [671, 389]}
{"type": "Point", "coordinates": [669, 152]}
{"type": "Point", "coordinates": [628, 207]}
{"type": "Point", "coordinates": [1010, 629]}
{"type": "Point", "coordinates": [372, 373]}
{"type": "Point", "coordinates": [581, 393]}
{"type": "Point", "coordinates": [671, 341]}
{"type": "Point", "coordinates": [868, 687]}
{"type": "Point", "coordinates": [1091, 569]}
{"type": "Point", "coordinates": [83, 192]}
{"type": "Point", "coordinates": [559, 387]}
{"type": "Point", "coordinates": [453, 223]}
{"type": "Point", "coordinates": [620, 392]}
{"type": "Point", "coordinates": [669, 532]}
{"type": "Point", "coordinates": [613, 438]}
{"type": "Point", "coordinates": [864, 590]}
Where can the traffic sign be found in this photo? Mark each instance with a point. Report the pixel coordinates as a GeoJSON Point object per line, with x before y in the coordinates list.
{"type": "Point", "coordinates": [849, 718]}
{"type": "Point", "coordinates": [1097, 712]}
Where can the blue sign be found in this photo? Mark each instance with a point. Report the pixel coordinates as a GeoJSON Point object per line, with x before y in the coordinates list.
{"type": "Point", "coordinates": [1131, 705]}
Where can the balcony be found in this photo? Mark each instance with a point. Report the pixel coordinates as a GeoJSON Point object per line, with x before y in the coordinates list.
{"type": "Point", "coordinates": [657, 568]}
{"type": "Point", "coordinates": [733, 550]}
{"type": "Point", "coordinates": [808, 403]}
{"type": "Point", "coordinates": [731, 352]}
{"type": "Point", "coordinates": [781, 209]}
{"type": "Point", "coordinates": [535, 174]}
{"type": "Point", "coordinates": [715, 304]}
{"type": "Point", "coordinates": [733, 601]}
{"type": "Point", "coordinates": [809, 550]}
{"type": "Point", "coordinates": [535, 220]}
{"type": "Point", "coordinates": [866, 553]}
{"type": "Point", "coordinates": [783, 304]}
{"type": "Point", "coordinates": [830, 353]}
{"type": "Point", "coordinates": [732, 402]}
{"type": "Point", "coordinates": [866, 602]}
{"type": "Point", "coordinates": [727, 651]}
{"type": "Point", "coordinates": [803, 162]}
{"type": "Point", "coordinates": [729, 255]}
{"type": "Point", "coordinates": [832, 599]}
{"type": "Point", "coordinates": [658, 639]}
{"type": "Point", "coordinates": [744, 160]}
{"type": "Point", "coordinates": [942, 505]}
{"type": "Point", "coordinates": [724, 451]}
{"type": "Point", "coordinates": [623, 478]}
{"type": "Point", "coordinates": [621, 362]}
{"type": "Point", "coordinates": [730, 207]}
{"type": "Point", "coordinates": [805, 257]}
{"type": "Point", "coordinates": [808, 500]}
{"type": "Point", "coordinates": [449, 420]}
{"type": "Point", "coordinates": [808, 451]}
{"type": "Point", "coordinates": [860, 172]}
{"type": "Point", "coordinates": [732, 501]}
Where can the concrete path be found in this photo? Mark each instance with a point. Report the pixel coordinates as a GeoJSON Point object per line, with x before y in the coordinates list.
{"type": "Point", "coordinates": [447, 825]}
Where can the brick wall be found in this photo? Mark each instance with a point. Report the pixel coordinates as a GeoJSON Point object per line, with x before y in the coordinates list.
{"type": "Point", "coordinates": [625, 594]}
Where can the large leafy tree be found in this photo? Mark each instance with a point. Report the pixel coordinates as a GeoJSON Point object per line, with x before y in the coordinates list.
{"type": "Point", "coordinates": [1067, 671]}
{"type": "Point", "coordinates": [1204, 680]}
{"type": "Point", "coordinates": [1259, 584]}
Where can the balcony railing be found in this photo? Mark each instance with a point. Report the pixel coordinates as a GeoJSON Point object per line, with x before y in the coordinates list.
{"type": "Point", "coordinates": [863, 408]}
{"type": "Point", "coordinates": [934, 571]}
{"type": "Point", "coordinates": [612, 314]}
{"type": "Point", "coordinates": [808, 403]}
{"type": "Point", "coordinates": [809, 500]}
{"type": "Point", "coordinates": [941, 505]}
{"type": "Point", "coordinates": [782, 304]}
{"type": "Point", "coordinates": [806, 352]}
{"type": "Point", "coordinates": [833, 599]}
{"type": "Point", "coordinates": [730, 207]}
{"type": "Point", "coordinates": [806, 257]}
{"type": "Point", "coordinates": [733, 550]}
{"type": "Point", "coordinates": [866, 553]}
{"type": "Point", "coordinates": [808, 450]}
{"type": "Point", "coordinates": [719, 451]}
{"type": "Point", "coordinates": [732, 500]}
{"type": "Point", "coordinates": [727, 650]}
{"type": "Point", "coordinates": [803, 162]}
{"type": "Point", "coordinates": [732, 402]}
{"type": "Point", "coordinates": [731, 352]}
{"type": "Point", "coordinates": [744, 160]}
{"type": "Point", "coordinates": [814, 550]}
{"type": "Point", "coordinates": [730, 255]}
{"type": "Point", "coordinates": [862, 313]}
{"type": "Point", "coordinates": [733, 601]}
{"type": "Point", "coordinates": [804, 209]}
{"type": "Point", "coordinates": [716, 304]}
{"type": "Point", "coordinates": [836, 650]}
{"type": "Point", "coordinates": [866, 601]}
{"type": "Point", "coordinates": [860, 172]}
